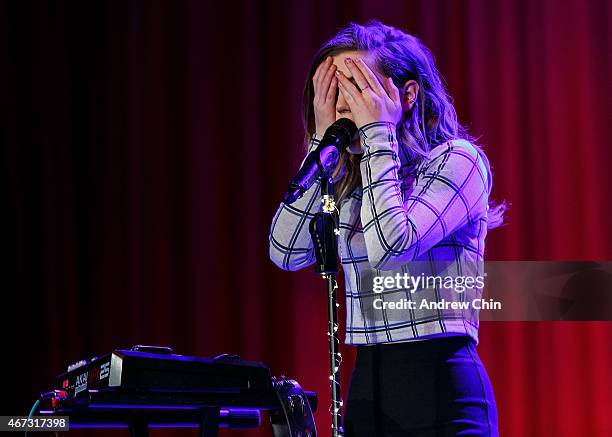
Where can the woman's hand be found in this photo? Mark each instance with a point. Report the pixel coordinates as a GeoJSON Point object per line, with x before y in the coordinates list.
{"type": "Point", "coordinates": [325, 87]}
{"type": "Point", "coordinates": [374, 100]}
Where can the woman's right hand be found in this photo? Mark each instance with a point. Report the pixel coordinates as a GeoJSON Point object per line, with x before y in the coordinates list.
{"type": "Point", "coordinates": [325, 86]}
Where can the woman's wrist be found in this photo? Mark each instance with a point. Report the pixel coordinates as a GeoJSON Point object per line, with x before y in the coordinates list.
{"type": "Point", "coordinates": [378, 135]}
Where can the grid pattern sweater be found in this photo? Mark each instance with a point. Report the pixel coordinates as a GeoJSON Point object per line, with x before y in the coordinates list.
{"type": "Point", "coordinates": [434, 224]}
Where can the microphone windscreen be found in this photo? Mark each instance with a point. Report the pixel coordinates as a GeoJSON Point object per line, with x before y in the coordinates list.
{"type": "Point", "coordinates": [340, 133]}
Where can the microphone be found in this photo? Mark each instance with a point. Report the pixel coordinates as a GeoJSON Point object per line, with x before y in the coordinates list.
{"type": "Point", "coordinates": [322, 160]}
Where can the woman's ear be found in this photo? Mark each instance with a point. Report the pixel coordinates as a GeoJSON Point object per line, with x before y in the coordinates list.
{"type": "Point", "coordinates": [410, 92]}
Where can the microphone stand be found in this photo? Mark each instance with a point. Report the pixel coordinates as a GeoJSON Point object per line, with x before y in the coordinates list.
{"type": "Point", "coordinates": [324, 231]}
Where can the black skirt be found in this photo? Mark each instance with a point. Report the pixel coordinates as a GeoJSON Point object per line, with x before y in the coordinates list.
{"type": "Point", "coordinates": [436, 387]}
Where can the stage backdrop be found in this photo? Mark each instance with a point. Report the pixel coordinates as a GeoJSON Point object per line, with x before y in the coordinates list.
{"type": "Point", "coordinates": [147, 146]}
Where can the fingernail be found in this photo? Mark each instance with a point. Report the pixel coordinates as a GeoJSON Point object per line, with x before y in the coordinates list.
{"type": "Point", "coordinates": [337, 72]}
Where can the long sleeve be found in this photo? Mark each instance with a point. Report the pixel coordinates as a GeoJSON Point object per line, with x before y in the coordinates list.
{"type": "Point", "coordinates": [451, 190]}
{"type": "Point", "coordinates": [291, 246]}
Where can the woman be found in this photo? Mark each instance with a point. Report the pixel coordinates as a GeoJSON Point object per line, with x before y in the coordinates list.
{"type": "Point", "coordinates": [413, 194]}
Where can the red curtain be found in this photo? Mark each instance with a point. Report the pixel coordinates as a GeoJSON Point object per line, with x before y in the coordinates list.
{"type": "Point", "coordinates": [147, 145]}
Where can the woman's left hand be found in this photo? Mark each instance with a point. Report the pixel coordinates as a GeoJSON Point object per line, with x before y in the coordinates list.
{"type": "Point", "coordinates": [373, 101]}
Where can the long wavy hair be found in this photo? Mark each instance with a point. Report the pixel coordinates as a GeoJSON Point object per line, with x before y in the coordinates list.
{"type": "Point", "coordinates": [431, 121]}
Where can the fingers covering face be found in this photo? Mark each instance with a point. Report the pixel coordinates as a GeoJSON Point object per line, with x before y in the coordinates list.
{"type": "Point", "coordinates": [350, 92]}
{"type": "Point", "coordinates": [367, 81]}
{"type": "Point", "coordinates": [324, 81]}
{"type": "Point", "coordinates": [368, 75]}
{"type": "Point", "coordinates": [355, 70]}
{"type": "Point", "coordinates": [329, 81]}
{"type": "Point", "coordinates": [331, 92]}
{"type": "Point", "coordinates": [321, 69]}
